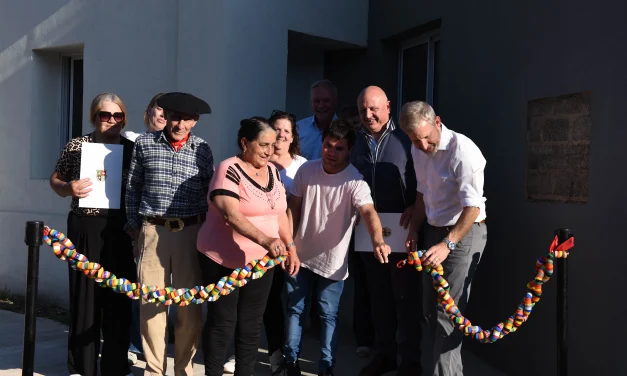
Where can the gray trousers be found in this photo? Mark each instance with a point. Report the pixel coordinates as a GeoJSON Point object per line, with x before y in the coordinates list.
{"type": "Point", "coordinates": [442, 342]}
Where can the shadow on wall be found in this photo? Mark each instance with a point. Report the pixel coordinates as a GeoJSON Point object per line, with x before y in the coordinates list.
{"type": "Point", "coordinates": [307, 62]}
{"type": "Point", "coordinates": [45, 34]}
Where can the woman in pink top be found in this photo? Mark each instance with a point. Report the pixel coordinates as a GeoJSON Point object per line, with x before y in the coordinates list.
{"type": "Point", "coordinates": [246, 220]}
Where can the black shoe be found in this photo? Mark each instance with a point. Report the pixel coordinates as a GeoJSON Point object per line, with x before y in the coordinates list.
{"type": "Point", "coordinates": [328, 372]}
{"type": "Point", "coordinates": [291, 369]}
{"type": "Point", "coordinates": [378, 366]}
{"type": "Point", "coordinates": [409, 369]}
{"type": "Point", "coordinates": [277, 362]}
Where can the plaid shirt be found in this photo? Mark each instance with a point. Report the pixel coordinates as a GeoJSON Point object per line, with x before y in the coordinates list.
{"type": "Point", "coordinates": [165, 183]}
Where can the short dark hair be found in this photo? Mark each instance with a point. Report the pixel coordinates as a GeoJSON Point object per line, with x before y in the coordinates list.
{"type": "Point", "coordinates": [278, 115]}
{"type": "Point", "coordinates": [340, 130]}
{"type": "Point", "coordinates": [251, 128]}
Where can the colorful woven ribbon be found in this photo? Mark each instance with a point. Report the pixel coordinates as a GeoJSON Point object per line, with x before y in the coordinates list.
{"type": "Point", "coordinates": [544, 271]}
{"type": "Point", "coordinates": [65, 250]}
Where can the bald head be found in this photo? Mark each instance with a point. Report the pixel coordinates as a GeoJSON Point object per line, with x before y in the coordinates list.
{"type": "Point", "coordinates": [374, 109]}
{"type": "Point", "coordinates": [371, 92]}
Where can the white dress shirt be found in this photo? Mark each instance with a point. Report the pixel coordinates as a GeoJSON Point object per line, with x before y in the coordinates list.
{"type": "Point", "coordinates": [451, 179]}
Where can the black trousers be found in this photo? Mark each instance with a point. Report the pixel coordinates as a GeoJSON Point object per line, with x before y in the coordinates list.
{"type": "Point", "coordinates": [237, 315]}
{"type": "Point", "coordinates": [363, 328]}
{"type": "Point", "coordinates": [274, 316]}
{"type": "Point", "coordinates": [93, 308]}
{"type": "Point", "coordinates": [396, 303]}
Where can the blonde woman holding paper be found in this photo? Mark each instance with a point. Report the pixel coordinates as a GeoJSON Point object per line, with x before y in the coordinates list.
{"type": "Point", "coordinates": [98, 233]}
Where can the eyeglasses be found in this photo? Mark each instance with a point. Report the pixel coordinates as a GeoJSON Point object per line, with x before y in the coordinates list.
{"type": "Point", "coordinates": [279, 113]}
{"type": "Point", "coordinates": [106, 116]}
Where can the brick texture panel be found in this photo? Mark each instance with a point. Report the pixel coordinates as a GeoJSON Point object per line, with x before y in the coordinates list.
{"type": "Point", "coordinates": [558, 148]}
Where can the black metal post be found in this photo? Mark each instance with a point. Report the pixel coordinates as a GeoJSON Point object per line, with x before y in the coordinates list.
{"type": "Point", "coordinates": [562, 306]}
{"type": "Point", "coordinates": [33, 238]}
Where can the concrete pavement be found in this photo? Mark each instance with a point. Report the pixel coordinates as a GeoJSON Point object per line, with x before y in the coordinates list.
{"type": "Point", "coordinates": [50, 353]}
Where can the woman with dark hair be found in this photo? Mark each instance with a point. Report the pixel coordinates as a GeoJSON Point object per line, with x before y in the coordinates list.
{"type": "Point", "coordinates": [287, 159]}
{"type": "Point", "coordinates": [287, 149]}
{"type": "Point", "coordinates": [246, 220]}
{"type": "Point", "coordinates": [99, 234]}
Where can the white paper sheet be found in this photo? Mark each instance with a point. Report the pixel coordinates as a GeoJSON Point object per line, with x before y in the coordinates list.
{"type": "Point", "coordinates": [394, 234]}
{"type": "Point", "coordinates": [102, 163]}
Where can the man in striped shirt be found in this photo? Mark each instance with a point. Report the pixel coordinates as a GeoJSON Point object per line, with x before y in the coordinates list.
{"type": "Point", "coordinates": [166, 202]}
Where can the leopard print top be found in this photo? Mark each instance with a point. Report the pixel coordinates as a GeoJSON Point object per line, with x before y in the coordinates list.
{"type": "Point", "coordinates": [68, 168]}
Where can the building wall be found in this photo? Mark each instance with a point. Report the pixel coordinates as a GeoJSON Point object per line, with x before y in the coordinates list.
{"type": "Point", "coordinates": [496, 57]}
{"type": "Point", "coordinates": [31, 35]}
{"type": "Point", "coordinates": [305, 65]}
{"type": "Point", "coordinates": [233, 55]}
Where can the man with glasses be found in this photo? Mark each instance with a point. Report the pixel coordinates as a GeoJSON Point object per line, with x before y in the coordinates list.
{"type": "Point", "coordinates": [166, 202]}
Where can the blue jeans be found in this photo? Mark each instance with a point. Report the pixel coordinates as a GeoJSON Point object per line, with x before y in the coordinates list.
{"type": "Point", "coordinates": [328, 293]}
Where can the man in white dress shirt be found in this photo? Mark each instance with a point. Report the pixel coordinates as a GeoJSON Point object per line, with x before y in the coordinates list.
{"type": "Point", "coordinates": [449, 172]}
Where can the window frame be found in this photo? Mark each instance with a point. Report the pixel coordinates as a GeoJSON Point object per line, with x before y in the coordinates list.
{"type": "Point", "coordinates": [66, 123]}
{"type": "Point", "coordinates": [430, 38]}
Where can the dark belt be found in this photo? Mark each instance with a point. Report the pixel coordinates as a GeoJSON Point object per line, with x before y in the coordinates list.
{"type": "Point", "coordinates": [176, 224]}
{"type": "Point", "coordinates": [448, 228]}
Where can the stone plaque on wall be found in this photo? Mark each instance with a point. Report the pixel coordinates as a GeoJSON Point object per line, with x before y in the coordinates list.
{"type": "Point", "coordinates": [558, 148]}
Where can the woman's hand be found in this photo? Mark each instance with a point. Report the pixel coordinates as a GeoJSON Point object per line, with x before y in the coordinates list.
{"type": "Point", "coordinates": [275, 247]}
{"type": "Point", "coordinates": [78, 188]}
{"type": "Point", "coordinates": [292, 263]}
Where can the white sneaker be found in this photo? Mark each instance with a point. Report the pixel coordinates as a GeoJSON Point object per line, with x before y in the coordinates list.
{"type": "Point", "coordinates": [229, 366]}
{"type": "Point", "coordinates": [132, 358]}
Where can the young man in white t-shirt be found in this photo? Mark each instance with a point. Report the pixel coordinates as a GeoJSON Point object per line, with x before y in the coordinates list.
{"type": "Point", "coordinates": [326, 196]}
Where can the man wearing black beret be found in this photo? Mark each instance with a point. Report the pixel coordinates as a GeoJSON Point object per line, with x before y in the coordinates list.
{"type": "Point", "coordinates": [166, 202]}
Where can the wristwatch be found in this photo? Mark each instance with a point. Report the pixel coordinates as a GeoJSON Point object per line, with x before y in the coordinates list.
{"type": "Point", "coordinates": [449, 244]}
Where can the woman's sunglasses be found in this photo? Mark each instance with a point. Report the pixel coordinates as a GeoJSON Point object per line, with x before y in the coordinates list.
{"type": "Point", "coordinates": [106, 116]}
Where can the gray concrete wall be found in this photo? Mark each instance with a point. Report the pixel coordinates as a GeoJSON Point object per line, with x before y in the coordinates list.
{"type": "Point", "coordinates": [233, 55]}
{"type": "Point", "coordinates": [496, 57]}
